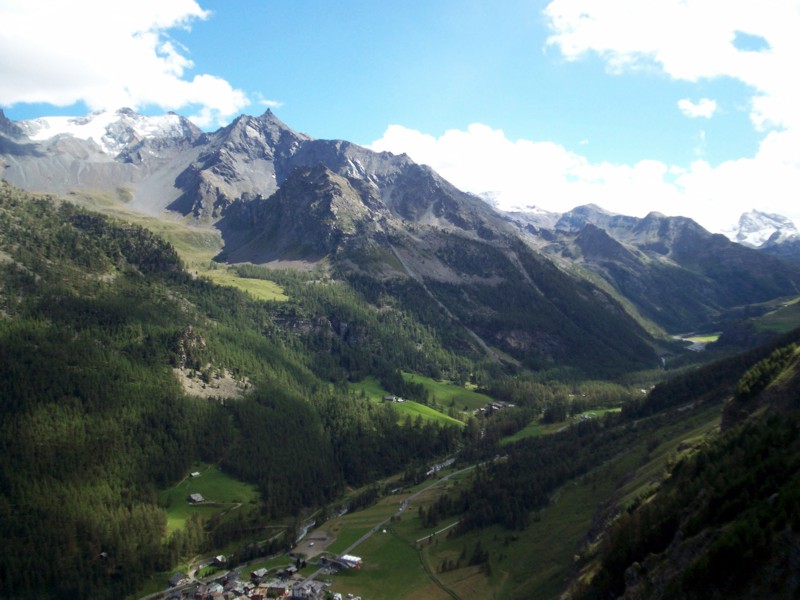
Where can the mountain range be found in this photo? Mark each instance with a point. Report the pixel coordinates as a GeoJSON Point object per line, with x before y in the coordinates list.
{"type": "Point", "coordinates": [122, 369]}
{"type": "Point", "coordinates": [585, 286]}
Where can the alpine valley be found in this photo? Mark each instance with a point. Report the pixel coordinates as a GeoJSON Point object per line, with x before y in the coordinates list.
{"type": "Point", "coordinates": [226, 344]}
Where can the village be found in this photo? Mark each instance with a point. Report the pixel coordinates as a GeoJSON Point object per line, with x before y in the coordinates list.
{"type": "Point", "coordinates": [262, 583]}
{"type": "Point", "coordinates": [286, 582]}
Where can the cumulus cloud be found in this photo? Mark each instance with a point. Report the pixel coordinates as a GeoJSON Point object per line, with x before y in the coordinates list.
{"type": "Point", "coordinates": [262, 101]}
{"type": "Point", "coordinates": [704, 108]}
{"type": "Point", "coordinates": [690, 40]}
{"type": "Point", "coordinates": [524, 173]}
{"type": "Point", "coordinates": [693, 40]}
{"type": "Point", "coordinates": [108, 55]}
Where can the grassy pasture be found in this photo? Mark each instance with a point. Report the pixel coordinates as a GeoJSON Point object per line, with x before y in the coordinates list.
{"type": "Point", "coordinates": [220, 491]}
{"type": "Point", "coordinates": [536, 429]}
{"type": "Point", "coordinates": [373, 390]}
{"type": "Point", "coordinates": [783, 319]}
{"type": "Point", "coordinates": [445, 393]}
{"type": "Point", "coordinates": [261, 289]}
{"type": "Point", "coordinates": [197, 245]}
{"type": "Point", "coordinates": [391, 569]}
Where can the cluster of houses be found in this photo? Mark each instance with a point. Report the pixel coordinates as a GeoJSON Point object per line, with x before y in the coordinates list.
{"type": "Point", "coordinates": [495, 406]}
{"type": "Point", "coordinates": [393, 399]}
{"type": "Point", "coordinates": [439, 466]}
{"type": "Point", "coordinates": [260, 586]}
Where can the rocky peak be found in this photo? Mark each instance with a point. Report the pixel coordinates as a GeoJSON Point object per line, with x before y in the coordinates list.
{"type": "Point", "coordinates": [596, 243]}
{"type": "Point", "coordinates": [758, 229]}
{"type": "Point", "coordinates": [8, 127]}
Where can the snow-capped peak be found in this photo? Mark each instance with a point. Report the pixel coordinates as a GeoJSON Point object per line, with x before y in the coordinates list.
{"type": "Point", "coordinates": [112, 131]}
{"type": "Point", "coordinates": [756, 228]}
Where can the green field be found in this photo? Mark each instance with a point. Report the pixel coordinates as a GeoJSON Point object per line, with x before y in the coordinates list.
{"type": "Point", "coordinates": [445, 393]}
{"type": "Point", "coordinates": [220, 491]}
{"type": "Point", "coordinates": [783, 319]}
{"type": "Point", "coordinates": [702, 339]}
{"type": "Point", "coordinates": [373, 390]}
{"type": "Point", "coordinates": [535, 428]}
{"type": "Point", "coordinates": [261, 289]}
{"type": "Point", "coordinates": [391, 569]}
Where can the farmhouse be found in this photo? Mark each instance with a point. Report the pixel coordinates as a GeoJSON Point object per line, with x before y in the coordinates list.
{"type": "Point", "coordinates": [438, 467]}
{"type": "Point", "coordinates": [288, 572]}
{"type": "Point", "coordinates": [497, 406]}
{"type": "Point", "coordinates": [177, 579]}
{"type": "Point", "coordinates": [196, 498]}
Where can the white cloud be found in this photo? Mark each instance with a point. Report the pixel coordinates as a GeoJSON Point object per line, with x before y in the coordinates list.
{"type": "Point", "coordinates": [262, 101]}
{"type": "Point", "coordinates": [108, 55]}
{"type": "Point", "coordinates": [704, 108]}
{"type": "Point", "coordinates": [690, 40]}
{"type": "Point", "coordinates": [525, 173]}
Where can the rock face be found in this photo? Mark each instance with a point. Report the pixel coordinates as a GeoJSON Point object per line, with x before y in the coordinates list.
{"type": "Point", "coordinates": [8, 127]}
{"type": "Point", "coordinates": [312, 215]}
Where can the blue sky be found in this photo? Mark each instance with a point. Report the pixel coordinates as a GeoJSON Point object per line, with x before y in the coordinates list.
{"type": "Point", "coordinates": [685, 107]}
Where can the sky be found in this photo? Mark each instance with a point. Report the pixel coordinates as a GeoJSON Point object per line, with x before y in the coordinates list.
{"type": "Point", "coordinates": [685, 107]}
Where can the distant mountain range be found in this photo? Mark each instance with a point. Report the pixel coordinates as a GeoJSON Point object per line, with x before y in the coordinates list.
{"type": "Point", "coordinates": [771, 233]}
{"type": "Point", "coordinates": [583, 287]}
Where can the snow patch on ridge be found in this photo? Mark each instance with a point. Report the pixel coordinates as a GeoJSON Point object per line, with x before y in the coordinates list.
{"type": "Point", "coordinates": [112, 131]}
{"type": "Point", "coordinates": [756, 229]}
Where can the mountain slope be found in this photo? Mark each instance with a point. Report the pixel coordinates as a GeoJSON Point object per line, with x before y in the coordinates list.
{"type": "Point", "coordinates": [724, 523]}
{"type": "Point", "coordinates": [134, 157]}
{"type": "Point", "coordinates": [464, 262]}
{"type": "Point", "coordinates": [674, 272]}
{"type": "Point", "coordinates": [668, 272]}
{"type": "Point", "coordinates": [96, 319]}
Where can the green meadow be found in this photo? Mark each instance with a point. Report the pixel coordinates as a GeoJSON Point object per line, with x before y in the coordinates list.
{"type": "Point", "coordinates": [535, 428]}
{"type": "Point", "coordinates": [197, 245]}
{"type": "Point", "coordinates": [446, 393]}
{"type": "Point", "coordinates": [392, 570]}
{"type": "Point", "coordinates": [373, 390]}
{"type": "Point", "coordinates": [261, 289]}
{"type": "Point", "coordinates": [220, 491]}
{"type": "Point", "coordinates": [783, 319]}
